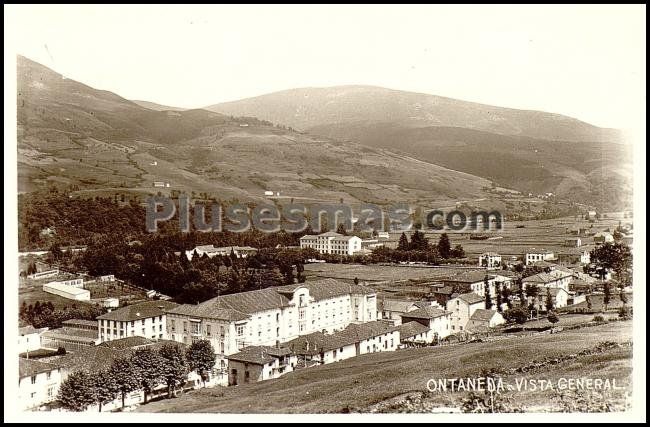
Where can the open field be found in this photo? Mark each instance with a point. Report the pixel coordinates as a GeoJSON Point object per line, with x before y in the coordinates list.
{"type": "Point", "coordinates": [376, 273]}
{"type": "Point", "coordinates": [359, 383]}
{"type": "Point", "coordinates": [513, 241]}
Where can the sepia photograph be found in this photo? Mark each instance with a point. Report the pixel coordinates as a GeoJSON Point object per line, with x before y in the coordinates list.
{"type": "Point", "coordinates": [344, 213]}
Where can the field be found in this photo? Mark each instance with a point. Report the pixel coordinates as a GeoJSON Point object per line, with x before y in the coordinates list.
{"type": "Point", "coordinates": [519, 236]}
{"type": "Point", "coordinates": [360, 383]}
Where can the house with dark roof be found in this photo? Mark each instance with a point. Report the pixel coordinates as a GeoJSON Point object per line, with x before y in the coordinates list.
{"type": "Point", "coordinates": [461, 308]}
{"type": "Point", "coordinates": [414, 333]}
{"type": "Point", "coordinates": [357, 338]}
{"type": "Point", "coordinates": [38, 383]}
{"type": "Point", "coordinates": [434, 318]}
{"type": "Point", "coordinates": [73, 335]}
{"type": "Point", "coordinates": [259, 363]}
{"type": "Point", "coordinates": [478, 281]}
{"type": "Point", "coordinates": [392, 309]}
{"type": "Point", "coordinates": [270, 316]}
{"type": "Point", "coordinates": [146, 319]}
{"type": "Point", "coordinates": [483, 320]}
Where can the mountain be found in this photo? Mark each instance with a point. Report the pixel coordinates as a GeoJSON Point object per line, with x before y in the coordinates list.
{"type": "Point", "coordinates": [158, 107]}
{"type": "Point", "coordinates": [530, 151]}
{"type": "Point", "coordinates": [309, 107]}
{"type": "Point", "coordinates": [97, 143]}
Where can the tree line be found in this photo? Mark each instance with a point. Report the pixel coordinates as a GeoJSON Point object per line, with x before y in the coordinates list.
{"type": "Point", "coordinates": [145, 369]}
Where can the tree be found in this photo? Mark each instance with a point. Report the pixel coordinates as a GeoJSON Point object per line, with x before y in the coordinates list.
{"type": "Point", "coordinates": [126, 376]}
{"type": "Point", "coordinates": [459, 252]}
{"type": "Point", "coordinates": [607, 291]}
{"type": "Point", "coordinates": [518, 315]}
{"type": "Point", "coordinates": [356, 280]}
{"type": "Point", "coordinates": [444, 246]}
{"type": "Point", "coordinates": [506, 293]}
{"type": "Point", "coordinates": [488, 297]}
{"type": "Point", "coordinates": [77, 392]}
{"type": "Point", "coordinates": [175, 367]}
{"type": "Point", "coordinates": [497, 291]}
{"type": "Point", "coordinates": [201, 358]}
{"type": "Point", "coordinates": [549, 304]}
{"type": "Point", "coordinates": [106, 389]}
{"type": "Point", "coordinates": [150, 366]}
{"type": "Point", "coordinates": [588, 300]}
{"type": "Point", "coordinates": [341, 229]}
{"type": "Point", "coordinates": [614, 256]}
{"type": "Point", "coordinates": [403, 244]}
{"type": "Point", "coordinates": [623, 297]}
{"type": "Point", "coordinates": [520, 292]}
{"type": "Point", "coordinates": [553, 317]}
{"type": "Point", "coordinates": [418, 241]}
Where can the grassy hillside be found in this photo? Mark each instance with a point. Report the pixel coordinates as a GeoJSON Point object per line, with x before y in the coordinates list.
{"type": "Point", "coordinates": [98, 144]}
{"type": "Point", "coordinates": [359, 383]}
{"type": "Point", "coordinates": [527, 150]}
{"type": "Point", "coordinates": [306, 108]}
{"type": "Point", "coordinates": [598, 173]}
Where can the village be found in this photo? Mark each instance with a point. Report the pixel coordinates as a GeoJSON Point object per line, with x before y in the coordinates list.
{"type": "Point", "coordinates": [338, 311]}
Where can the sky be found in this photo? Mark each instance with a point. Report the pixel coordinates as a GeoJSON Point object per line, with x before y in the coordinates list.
{"type": "Point", "coordinates": [586, 62]}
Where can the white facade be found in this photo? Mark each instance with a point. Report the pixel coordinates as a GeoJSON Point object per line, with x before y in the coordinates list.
{"type": "Point", "coordinates": [533, 257]}
{"type": "Point", "coordinates": [44, 274]}
{"type": "Point", "coordinates": [151, 327]}
{"type": "Point", "coordinates": [211, 251]}
{"type": "Point", "coordinates": [288, 312]}
{"type": "Point", "coordinates": [67, 291]}
{"type": "Point", "coordinates": [331, 243]}
{"type": "Point", "coordinates": [29, 339]}
{"type": "Point", "coordinates": [489, 260]}
{"type": "Point", "coordinates": [37, 386]}
{"type": "Point", "coordinates": [462, 308]}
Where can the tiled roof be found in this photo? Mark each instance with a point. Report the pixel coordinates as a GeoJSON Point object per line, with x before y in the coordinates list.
{"type": "Point", "coordinates": [400, 306]}
{"type": "Point", "coordinates": [483, 315]}
{"type": "Point", "coordinates": [100, 357]}
{"type": "Point", "coordinates": [471, 298]}
{"type": "Point", "coordinates": [80, 322]}
{"type": "Point", "coordinates": [361, 331]}
{"type": "Point", "coordinates": [29, 367]}
{"type": "Point", "coordinates": [445, 290]}
{"type": "Point", "coordinates": [241, 305]}
{"type": "Point", "coordinates": [128, 342]}
{"type": "Point", "coordinates": [29, 329]}
{"type": "Point", "coordinates": [541, 278]}
{"type": "Point", "coordinates": [73, 334]}
{"type": "Point", "coordinates": [411, 329]}
{"type": "Point", "coordinates": [425, 313]}
{"type": "Point", "coordinates": [139, 311]}
{"type": "Point", "coordinates": [259, 355]}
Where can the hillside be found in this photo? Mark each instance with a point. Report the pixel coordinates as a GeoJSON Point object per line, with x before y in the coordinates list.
{"type": "Point", "coordinates": [97, 143]}
{"type": "Point", "coordinates": [358, 384]}
{"type": "Point", "coordinates": [530, 151]}
{"type": "Point", "coordinates": [157, 107]}
{"type": "Point", "coordinates": [306, 108]}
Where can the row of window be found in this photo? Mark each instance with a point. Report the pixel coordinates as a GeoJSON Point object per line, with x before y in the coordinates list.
{"type": "Point", "coordinates": [114, 323]}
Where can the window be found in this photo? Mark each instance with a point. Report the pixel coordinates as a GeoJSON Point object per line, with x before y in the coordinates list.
{"type": "Point", "coordinates": [240, 330]}
{"type": "Point", "coordinates": [334, 353]}
{"type": "Point", "coordinates": [184, 326]}
{"type": "Point", "coordinates": [132, 323]}
{"type": "Point", "coordinates": [142, 321]}
{"type": "Point", "coordinates": [173, 325]}
{"type": "Point", "coordinates": [33, 379]}
{"type": "Point", "coordinates": [50, 392]}
{"type": "Point", "coordinates": [49, 376]}
{"type": "Point", "coordinates": [208, 330]}
{"type": "Point", "coordinates": [277, 318]}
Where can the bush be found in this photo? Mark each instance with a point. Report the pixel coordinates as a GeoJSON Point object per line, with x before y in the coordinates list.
{"type": "Point", "coordinates": [60, 351]}
{"type": "Point", "coordinates": [624, 312]}
{"type": "Point", "coordinates": [599, 318]}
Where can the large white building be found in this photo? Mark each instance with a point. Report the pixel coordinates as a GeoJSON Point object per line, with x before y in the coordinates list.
{"type": "Point", "coordinates": [67, 291]}
{"type": "Point", "coordinates": [270, 316]}
{"type": "Point", "coordinates": [534, 255]}
{"type": "Point", "coordinates": [331, 243]}
{"type": "Point", "coordinates": [29, 338]}
{"type": "Point", "coordinates": [146, 319]}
